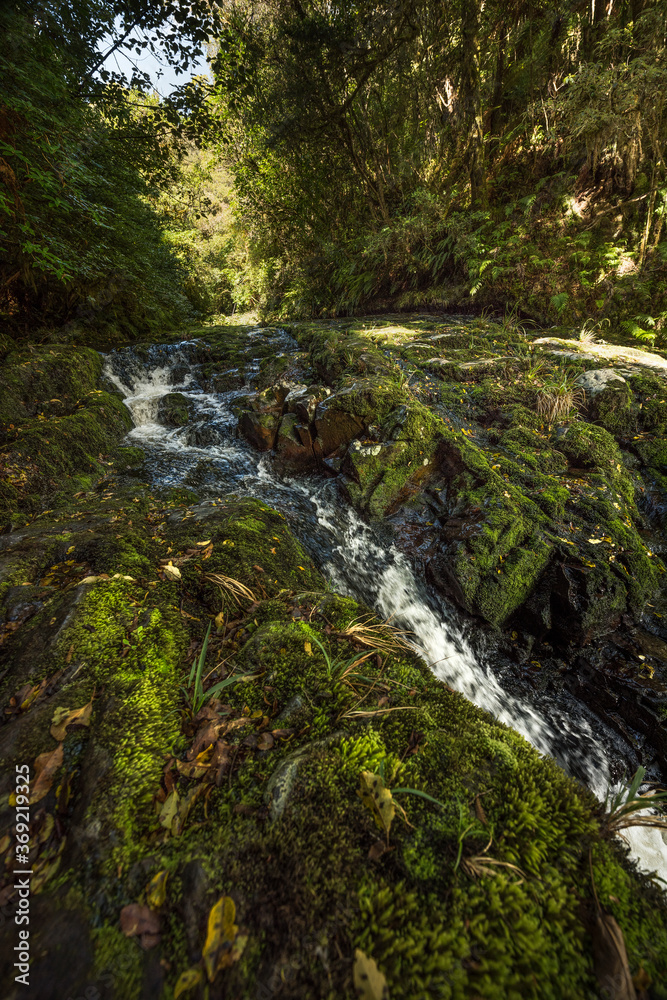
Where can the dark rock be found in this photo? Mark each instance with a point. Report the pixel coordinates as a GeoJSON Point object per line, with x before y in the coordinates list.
{"type": "Point", "coordinates": [294, 442]}
{"type": "Point", "coordinates": [259, 429]}
{"type": "Point", "coordinates": [335, 427]}
{"type": "Point", "coordinates": [174, 410]}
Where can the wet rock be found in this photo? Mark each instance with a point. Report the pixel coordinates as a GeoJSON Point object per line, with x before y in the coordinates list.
{"type": "Point", "coordinates": [304, 401]}
{"type": "Point", "coordinates": [294, 443]}
{"type": "Point", "coordinates": [174, 410]}
{"type": "Point", "coordinates": [335, 427]}
{"type": "Point", "coordinates": [259, 429]}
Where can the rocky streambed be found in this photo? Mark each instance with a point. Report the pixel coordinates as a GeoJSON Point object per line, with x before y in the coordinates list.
{"type": "Point", "coordinates": [333, 806]}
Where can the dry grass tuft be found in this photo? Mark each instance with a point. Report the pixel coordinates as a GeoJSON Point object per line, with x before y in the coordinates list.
{"type": "Point", "coordinates": [383, 636]}
{"type": "Point", "coordinates": [556, 401]}
{"type": "Point", "coordinates": [228, 585]}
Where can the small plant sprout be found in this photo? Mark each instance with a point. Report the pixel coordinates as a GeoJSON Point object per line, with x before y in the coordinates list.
{"type": "Point", "coordinates": [195, 693]}
{"type": "Point", "coordinates": [591, 330]}
{"type": "Point", "coordinates": [629, 807]}
{"type": "Point", "coordinates": [341, 669]}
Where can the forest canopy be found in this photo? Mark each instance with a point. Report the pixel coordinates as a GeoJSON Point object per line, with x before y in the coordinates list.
{"type": "Point", "coordinates": [404, 155]}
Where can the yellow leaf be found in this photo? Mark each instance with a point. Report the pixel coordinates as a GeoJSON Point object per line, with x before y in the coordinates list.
{"type": "Point", "coordinates": [157, 890]}
{"type": "Point", "coordinates": [377, 799]}
{"type": "Point", "coordinates": [220, 937]}
{"type": "Point", "coordinates": [308, 648]}
{"type": "Point", "coordinates": [595, 541]}
{"type": "Point", "coordinates": [220, 620]}
{"type": "Point", "coordinates": [169, 809]}
{"type": "Point", "coordinates": [368, 980]}
{"type": "Point", "coordinates": [63, 717]}
{"type": "Point", "coordinates": [188, 980]}
{"type": "Point", "coordinates": [198, 767]}
{"type": "Point", "coordinates": [171, 572]}
{"type": "Point", "coordinates": [202, 545]}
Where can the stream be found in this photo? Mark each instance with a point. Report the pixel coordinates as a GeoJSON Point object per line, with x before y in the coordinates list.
{"type": "Point", "coordinates": [359, 559]}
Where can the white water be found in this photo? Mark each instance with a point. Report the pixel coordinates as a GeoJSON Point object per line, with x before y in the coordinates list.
{"type": "Point", "coordinates": [357, 563]}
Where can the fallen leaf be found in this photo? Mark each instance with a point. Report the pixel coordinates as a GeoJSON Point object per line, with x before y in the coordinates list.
{"type": "Point", "coordinates": [64, 717]}
{"type": "Point", "coordinates": [185, 805]}
{"type": "Point", "coordinates": [198, 767]}
{"type": "Point", "coordinates": [369, 982]}
{"type": "Point", "coordinates": [46, 766]}
{"type": "Point", "coordinates": [610, 960]}
{"type": "Point", "coordinates": [188, 980]}
{"type": "Point", "coordinates": [595, 541]}
{"type": "Point", "coordinates": [308, 648]}
{"type": "Point", "coordinates": [206, 735]}
{"type": "Point", "coordinates": [218, 952]}
{"type": "Point", "coordinates": [377, 850]}
{"type": "Point", "coordinates": [169, 810]}
{"type": "Point", "coordinates": [220, 620]}
{"type": "Point", "coordinates": [171, 572]}
{"type": "Point", "coordinates": [265, 741]}
{"type": "Point", "coordinates": [479, 811]}
{"type": "Point", "coordinates": [220, 761]}
{"type": "Point", "coordinates": [156, 893]}
{"type": "Point", "coordinates": [139, 921]}
{"type": "Point", "coordinates": [377, 799]}
{"type": "Point", "coordinates": [202, 545]}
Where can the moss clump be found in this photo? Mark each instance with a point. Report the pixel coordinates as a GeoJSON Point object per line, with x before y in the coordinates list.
{"type": "Point", "coordinates": [57, 424]}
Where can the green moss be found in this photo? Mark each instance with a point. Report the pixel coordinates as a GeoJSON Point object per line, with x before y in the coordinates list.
{"type": "Point", "coordinates": [587, 445]}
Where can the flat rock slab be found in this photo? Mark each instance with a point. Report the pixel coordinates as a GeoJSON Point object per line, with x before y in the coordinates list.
{"type": "Point", "coordinates": [598, 379]}
{"type": "Point", "coordinates": [607, 352]}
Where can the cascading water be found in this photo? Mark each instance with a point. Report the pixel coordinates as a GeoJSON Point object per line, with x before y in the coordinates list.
{"type": "Point", "coordinates": [348, 551]}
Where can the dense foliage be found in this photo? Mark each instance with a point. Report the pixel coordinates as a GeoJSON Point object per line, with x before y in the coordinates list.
{"type": "Point", "coordinates": [461, 152]}
{"type": "Point", "coordinates": [80, 153]}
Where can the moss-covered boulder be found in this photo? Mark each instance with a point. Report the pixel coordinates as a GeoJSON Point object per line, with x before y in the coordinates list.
{"type": "Point", "coordinates": [316, 783]}
{"type": "Point", "coordinates": [174, 410]}
{"type": "Point", "coordinates": [58, 429]}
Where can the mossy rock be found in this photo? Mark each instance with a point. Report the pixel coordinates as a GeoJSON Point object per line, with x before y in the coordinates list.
{"type": "Point", "coordinates": [297, 734]}
{"type": "Point", "coordinates": [174, 410]}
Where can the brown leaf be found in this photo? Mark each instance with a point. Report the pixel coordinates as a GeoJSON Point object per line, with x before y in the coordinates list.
{"type": "Point", "coordinates": [282, 734]}
{"type": "Point", "coordinates": [198, 767]}
{"type": "Point", "coordinates": [206, 714]}
{"type": "Point", "coordinates": [610, 959]}
{"type": "Point", "coordinates": [244, 810]}
{"type": "Point", "coordinates": [377, 850]}
{"type": "Point", "coordinates": [64, 717]}
{"type": "Point", "coordinates": [46, 766]}
{"type": "Point", "coordinates": [149, 941]}
{"type": "Point", "coordinates": [383, 701]}
{"type": "Point", "coordinates": [206, 735]}
{"type": "Point", "coordinates": [479, 811]}
{"type": "Point", "coordinates": [136, 920]}
{"type": "Point", "coordinates": [222, 753]}
{"type": "Point", "coordinates": [265, 741]}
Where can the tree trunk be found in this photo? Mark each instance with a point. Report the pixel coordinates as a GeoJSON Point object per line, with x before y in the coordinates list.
{"type": "Point", "coordinates": [471, 101]}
